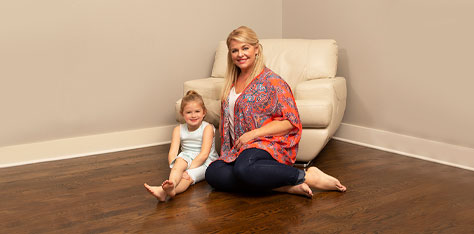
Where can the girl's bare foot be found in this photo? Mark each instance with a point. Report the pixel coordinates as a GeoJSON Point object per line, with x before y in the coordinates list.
{"type": "Point", "coordinates": [156, 191]}
{"type": "Point", "coordinates": [317, 179]}
{"type": "Point", "coordinates": [300, 189]}
{"type": "Point", "coordinates": [168, 187]}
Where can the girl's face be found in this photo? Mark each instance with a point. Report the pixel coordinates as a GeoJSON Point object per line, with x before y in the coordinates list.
{"type": "Point", "coordinates": [193, 114]}
{"type": "Point", "coordinates": [243, 54]}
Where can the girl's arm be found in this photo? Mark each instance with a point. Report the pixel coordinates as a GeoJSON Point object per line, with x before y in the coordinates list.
{"type": "Point", "coordinates": [175, 141]}
{"type": "Point", "coordinates": [274, 128]}
{"type": "Point", "coordinates": [207, 137]}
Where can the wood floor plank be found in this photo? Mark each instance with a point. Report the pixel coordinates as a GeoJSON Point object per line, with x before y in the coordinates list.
{"type": "Point", "coordinates": [387, 193]}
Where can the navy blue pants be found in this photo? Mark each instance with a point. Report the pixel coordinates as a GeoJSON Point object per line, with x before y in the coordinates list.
{"type": "Point", "coordinates": [253, 170]}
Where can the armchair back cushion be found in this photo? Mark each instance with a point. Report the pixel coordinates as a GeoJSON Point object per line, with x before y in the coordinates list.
{"type": "Point", "coordinates": [295, 60]}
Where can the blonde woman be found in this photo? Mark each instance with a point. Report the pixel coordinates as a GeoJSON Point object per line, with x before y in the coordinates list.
{"type": "Point", "coordinates": [260, 128]}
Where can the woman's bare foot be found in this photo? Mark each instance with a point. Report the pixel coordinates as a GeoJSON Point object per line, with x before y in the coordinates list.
{"type": "Point", "coordinates": [168, 186]}
{"type": "Point", "coordinates": [156, 191]}
{"type": "Point", "coordinates": [317, 179]}
{"type": "Point", "coordinates": [300, 189]}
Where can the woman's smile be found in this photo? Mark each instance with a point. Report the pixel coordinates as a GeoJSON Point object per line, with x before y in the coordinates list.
{"type": "Point", "coordinates": [241, 61]}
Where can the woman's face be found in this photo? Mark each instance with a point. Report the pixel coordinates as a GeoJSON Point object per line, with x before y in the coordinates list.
{"type": "Point", "coordinates": [243, 54]}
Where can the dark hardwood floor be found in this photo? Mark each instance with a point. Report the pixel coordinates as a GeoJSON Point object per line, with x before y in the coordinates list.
{"type": "Point", "coordinates": [387, 193]}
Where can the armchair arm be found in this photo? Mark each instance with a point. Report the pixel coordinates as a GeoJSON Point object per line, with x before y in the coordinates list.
{"type": "Point", "coordinates": [328, 102]}
{"type": "Point", "coordinates": [326, 88]}
{"type": "Point", "coordinates": [208, 87]}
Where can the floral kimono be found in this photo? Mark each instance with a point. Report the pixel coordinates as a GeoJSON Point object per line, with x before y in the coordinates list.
{"type": "Point", "coordinates": [268, 97]}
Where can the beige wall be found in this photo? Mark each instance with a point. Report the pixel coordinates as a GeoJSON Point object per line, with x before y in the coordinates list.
{"type": "Point", "coordinates": [77, 68]}
{"type": "Point", "coordinates": [408, 64]}
{"type": "Point", "coordinates": [82, 68]}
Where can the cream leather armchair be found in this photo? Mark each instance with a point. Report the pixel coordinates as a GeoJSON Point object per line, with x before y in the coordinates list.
{"type": "Point", "coordinates": [309, 67]}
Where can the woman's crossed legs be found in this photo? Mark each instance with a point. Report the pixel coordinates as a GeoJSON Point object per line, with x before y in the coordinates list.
{"type": "Point", "coordinates": [257, 170]}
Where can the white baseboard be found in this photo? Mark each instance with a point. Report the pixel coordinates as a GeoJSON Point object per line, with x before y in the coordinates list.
{"type": "Point", "coordinates": [84, 146]}
{"type": "Point", "coordinates": [438, 152]}
{"type": "Point", "coordinates": [433, 151]}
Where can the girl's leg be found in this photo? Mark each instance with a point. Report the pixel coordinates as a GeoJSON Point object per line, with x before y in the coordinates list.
{"type": "Point", "coordinates": [184, 184]}
{"type": "Point", "coordinates": [180, 165]}
{"type": "Point", "coordinates": [220, 176]}
{"type": "Point", "coordinates": [156, 191]}
{"type": "Point", "coordinates": [160, 194]}
{"type": "Point", "coordinates": [190, 177]}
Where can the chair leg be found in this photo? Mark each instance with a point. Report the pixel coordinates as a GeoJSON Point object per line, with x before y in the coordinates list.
{"type": "Point", "coordinates": [303, 165]}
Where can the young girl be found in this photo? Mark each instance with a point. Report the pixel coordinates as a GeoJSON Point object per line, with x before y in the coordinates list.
{"type": "Point", "coordinates": [197, 149]}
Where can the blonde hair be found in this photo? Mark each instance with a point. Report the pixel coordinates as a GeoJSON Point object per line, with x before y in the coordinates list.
{"type": "Point", "coordinates": [192, 96]}
{"type": "Point", "coordinates": [246, 35]}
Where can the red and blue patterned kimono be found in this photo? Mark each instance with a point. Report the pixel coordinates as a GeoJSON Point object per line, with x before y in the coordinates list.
{"type": "Point", "coordinates": [267, 98]}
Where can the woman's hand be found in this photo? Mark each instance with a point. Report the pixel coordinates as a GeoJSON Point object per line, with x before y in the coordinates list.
{"type": "Point", "coordinates": [246, 137]}
{"type": "Point", "coordinates": [274, 128]}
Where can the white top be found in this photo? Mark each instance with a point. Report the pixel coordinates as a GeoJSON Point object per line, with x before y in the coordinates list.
{"type": "Point", "coordinates": [232, 98]}
{"type": "Point", "coordinates": [191, 143]}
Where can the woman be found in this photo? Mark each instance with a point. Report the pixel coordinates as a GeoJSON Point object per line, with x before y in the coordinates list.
{"type": "Point", "coordinates": [260, 128]}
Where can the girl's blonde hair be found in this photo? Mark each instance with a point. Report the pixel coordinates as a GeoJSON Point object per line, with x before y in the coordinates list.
{"type": "Point", "coordinates": [246, 35]}
{"type": "Point", "coordinates": [192, 96]}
